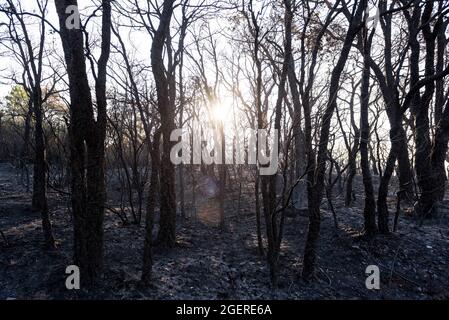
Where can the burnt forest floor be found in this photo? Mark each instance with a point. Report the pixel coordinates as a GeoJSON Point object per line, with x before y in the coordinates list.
{"type": "Point", "coordinates": [209, 263]}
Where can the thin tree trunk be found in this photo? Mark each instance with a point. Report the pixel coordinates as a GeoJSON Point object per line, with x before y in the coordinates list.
{"type": "Point", "coordinates": [318, 182]}
{"type": "Point", "coordinates": [151, 204]}
{"type": "Point", "coordinates": [382, 205]}
{"type": "Point", "coordinates": [370, 203]}
{"type": "Point", "coordinates": [39, 202]}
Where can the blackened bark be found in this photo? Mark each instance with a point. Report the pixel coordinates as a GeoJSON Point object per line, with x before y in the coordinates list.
{"type": "Point", "coordinates": [431, 185]}
{"type": "Point", "coordinates": [391, 96]}
{"type": "Point", "coordinates": [151, 204]}
{"type": "Point", "coordinates": [258, 224]}
{"type": "Point", "coordinates": [39, 202]}
{"type": "Point", "coordinates": [87, 136]}
{"type": "Point", "coordinates": [420, 110]}
{"type": "Point", "coordinates": [369, 212]}
{"type": "Point", "coordinates": [166, 107]}
{"type": "Point", "coordinates": [300, 195]}
{"type": "Point", "coordinates": [440, 142]}
{"type": "Point", "coordinates": [350, 196]}
{"type": "Point", "coordinates": [25, 153]}
{"type": "Point", "coordinates": [382, 206]}
{"type": "Point", "coordinates": [404, 165]}
{"type": "Point", "coordinates": [439, 152]}
{"type": "Point", "coordinates": [181, 124]}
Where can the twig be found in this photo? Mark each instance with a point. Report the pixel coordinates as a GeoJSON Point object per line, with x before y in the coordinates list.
{"type": "Point", "coordinates": [123, 217]}
{"type": "Point", "coordinates": [65, 193]}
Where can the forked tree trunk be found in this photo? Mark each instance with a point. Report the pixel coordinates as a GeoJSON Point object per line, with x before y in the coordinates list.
{"type": "Point", "coordinates": [382, 206]}
{"type": "Point", "coordinates": [87, 137]}
{"type": "Point", "coordinates": [428, 182]}
{"type": "Point", "coordinates": [318, 182]}
{"type": "Point", "coordinates": [32, 61]}
{"type": "Point", "coordinates": [166, 107]}
{"type": "Point", "coordinates": [300, 193]}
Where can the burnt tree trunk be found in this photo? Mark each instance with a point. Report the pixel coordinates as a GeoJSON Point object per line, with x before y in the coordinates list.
{"type": "Point", "coordinates": [369, 212]}
{"type": "Point", "coordinates": [382, 196]}
{"type": "Point", "coordinates": [87, 137]}
{"type": "Point", "coordinates": [32, 61]}
{"type": "Point", "coordinates": [440, 142]}
{"type": "Point", "coordinates": [39, 202]}
{"type": "Point", "coordinates": [431, 185]}
{"type": "Point", "coordinates": [25, 150]}
{"type": "Point", "coordinates": [261, 119]}
{"type": "Point", "coordinates": [350, 197]}
{"type": "Point", "coordinates": [166, 107]}
{"type": "Point", "coordinates": [151, 204]}
{"type": "Point", "coordinates": [300, 194]}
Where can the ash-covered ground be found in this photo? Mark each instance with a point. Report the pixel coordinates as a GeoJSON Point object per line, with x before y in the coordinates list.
{"type": "Point", "coordinates": [210, 263]}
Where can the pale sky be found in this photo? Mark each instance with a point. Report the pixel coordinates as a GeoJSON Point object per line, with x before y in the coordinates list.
{"type": "Point", "coordinates": [138, 44]}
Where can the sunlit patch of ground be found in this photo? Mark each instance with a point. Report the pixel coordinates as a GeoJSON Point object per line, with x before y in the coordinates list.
{"type": "Point", "coordinates": [208, 206]}
{"type": "Point", "coordinates": [209, 212]}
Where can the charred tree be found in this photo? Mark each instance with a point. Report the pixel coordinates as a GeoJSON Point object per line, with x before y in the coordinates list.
{"type": "Point", "coordinates": [87, 139]}
{"type": "Point", "coordinates": [32, 61]}
{"type": "Point", "coordinates": [369, 212]}
{"type": "Point", "coordinates": [166, 107]}
{"type": "Point", "coordinates": [151, 204]}
{"type": "Point", "coordinates": [316, 195]}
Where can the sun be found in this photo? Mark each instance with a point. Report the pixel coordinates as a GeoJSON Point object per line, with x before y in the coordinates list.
{"type": "Point", "coordinates": [222, 111]}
